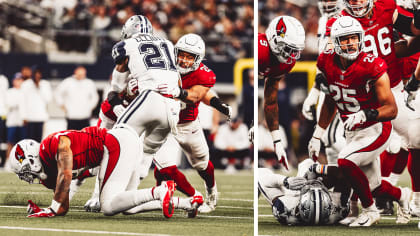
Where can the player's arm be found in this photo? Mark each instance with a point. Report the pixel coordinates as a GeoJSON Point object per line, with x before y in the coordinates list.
{"type": "Point", "coordinates": [60, 203]}
{"type": "Point", "coordinates": [210, 99]}
{"type": "Point", "coordinates": [388, 109]}
{"type": "Point", "coordinates": [196, 93]}
{"type": "Point", "coordinates": [271, 108]}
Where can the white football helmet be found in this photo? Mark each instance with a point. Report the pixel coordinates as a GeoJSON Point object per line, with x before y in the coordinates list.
{"type": "Point", "coordinates": [328, 7]}
{"type": "Point", "coordinates": [191, 43]}
{"type": "Point", "coordinates": [358, 10]}
{"type": "Point", "coordinates": [25, 161]}
{"type": "Point", "coordinates": [286, 37]}
{"type": "Point", "coordinates": [137, 24]}
{"type": "Point", "coordinates": [344, 26]}
{"type": "Point", "coordinates": [315, 204]}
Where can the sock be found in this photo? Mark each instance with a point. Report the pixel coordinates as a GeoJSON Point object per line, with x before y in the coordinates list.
{"type": "Point", "coordinates": [413, 166]}
{"type": "Point", "coordinates": [387, 163]}
{"type": "Point", "coordinates": [393, 178]}
{"type": "Point", "coordinates": [158, 176]}
{"type": "Point", "coordinates": [181, 181]}
{"type": "Point", "coordinates": [357, 180]}
{"type": "Point", "coordinates": [208, 175]}
{"type": "Point", "coordinates": [401, 162]}
{"type": "Point", "coordinates": [387, 191]}
{"type": "Point", "coordinates": [416, 196]}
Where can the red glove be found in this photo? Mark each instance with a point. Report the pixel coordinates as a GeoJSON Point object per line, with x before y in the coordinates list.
{"type": "Point", "coordinates": [32, 207]}
{"type": "Point", "coordinates": [46, 212]}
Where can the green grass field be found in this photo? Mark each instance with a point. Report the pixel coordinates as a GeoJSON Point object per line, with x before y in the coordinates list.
{"type": "Point", "coordinates": [233, 216]}
{"type": "Point", "coordinates": [268, 225]}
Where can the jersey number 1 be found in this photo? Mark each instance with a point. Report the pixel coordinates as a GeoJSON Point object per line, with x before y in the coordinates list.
{"type": "Point", "coordinates": [155, 59]}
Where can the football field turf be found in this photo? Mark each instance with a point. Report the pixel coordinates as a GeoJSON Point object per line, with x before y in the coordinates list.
{"type": "Point", "coordinates": [268, 225]}
{"type": "Point", "coordinates": [233, 216]}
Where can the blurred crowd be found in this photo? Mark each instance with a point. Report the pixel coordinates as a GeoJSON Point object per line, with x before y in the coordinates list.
{"type": "Point", "coordinates": [225, 25]}
{"type": "Point", "coordinates": [306, 11]}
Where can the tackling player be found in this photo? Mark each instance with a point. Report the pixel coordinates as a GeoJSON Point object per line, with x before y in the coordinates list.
{"type": "Point", "coordinates": [357, 85]}
{"type": "Point", "coordinates": [64, 155]}
{"type": "Point", "coordinates": [278, 50]}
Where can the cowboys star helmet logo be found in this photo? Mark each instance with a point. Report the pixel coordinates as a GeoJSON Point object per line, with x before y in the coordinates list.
{"type": "Point", "coordinates": [281, 28]}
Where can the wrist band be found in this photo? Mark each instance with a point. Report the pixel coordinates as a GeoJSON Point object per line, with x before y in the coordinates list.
{"type": "Point", "coordinates": [55, 206]}
{"type": "Point", "coordinates": [276, 135]}
{"type": "Point", "coordinates": [318, 132]}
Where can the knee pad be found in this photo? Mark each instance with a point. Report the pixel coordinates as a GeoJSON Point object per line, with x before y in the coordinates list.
{"type": "Point", "coordinates": [201, 165]}
{"type": "Point", "coordinates": [151, 147]}
{"type": "Point", "coordinates": [107, 209]}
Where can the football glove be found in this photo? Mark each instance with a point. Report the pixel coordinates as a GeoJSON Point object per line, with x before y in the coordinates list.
{"type": "Point", "coordinates": [165, 90]}
{"type": "Point", "coordinates": [46, 212]}
{"type": "Point", "coordinates": [355, 119]}
{"type": "Point", "coordinates": [308, 108]}
{"type": "Point", "coordinates": [294, 183]}
{"type": "Point", "coordinates": [93, 205]}
{"type": "Point", "coordinates": [118, 110]}
{"type": "Point", "coordinates": [132, 87]}
{"type": "Point", "coordinates": [251, 134]}
{"type": "Point", "coordinates": [314, 147]}
{"type": "Point", "coordinates": [32, 208]}
{"type": "Point", "coordinates": [281, 154]}
{"type": "Point", "coordinates": [229, 111]}
{"type": "Point", "coordinates": [410, 98]}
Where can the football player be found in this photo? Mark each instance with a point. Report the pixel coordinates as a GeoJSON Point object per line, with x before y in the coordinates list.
{"type": "Point", "coordinates": [64, 155]}
{"type": "Point", "coordinates": [357, 85]}
{"type": "Point", "coordinates": [278, 50]}
{"type": "Point", "coordinates": [197, 79]}
{"type": "Point", "coordinates": [297, 201]}
{"type": "Point", "coordinates": [333, 139]}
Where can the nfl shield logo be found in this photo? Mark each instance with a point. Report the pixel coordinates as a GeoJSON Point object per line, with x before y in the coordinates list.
{"type": "Point", "coordinates": [341, 77]}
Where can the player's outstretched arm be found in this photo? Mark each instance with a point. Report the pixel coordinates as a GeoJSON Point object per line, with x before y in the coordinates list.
{"type": "Point", "coordinates": [60, 203]}
{"type": "Point", "coordinates": [388, 109]}
{"type": "Point", "coordinates": [196, 93]}
{"type": "Point", "coordinates": [210, 99]}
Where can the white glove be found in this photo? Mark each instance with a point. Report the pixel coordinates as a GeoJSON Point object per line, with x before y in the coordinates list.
{"type": "Point", "coordinates": [314, 147]}
{"type": "Point", "coordinates": [294, 183]}
{"type": "Point", "coordinates": [408, 4]}
{"type": "Point", "coordinates": [310, 103]}
{"type": "Point", "coordinates": [165, 89]}
{"type": "Point", "coordinates": [93, 205]}
{"type": "Point", "coordinates": [354, 119]}
{"type": "Point", "coordinates": [229, 115]}
{"type": "Point", "coordinates": [132, 87]}
{"type": "Point", "coordinates": [118, 110]}
{"type": "Point", "coordinates": [279, 149]}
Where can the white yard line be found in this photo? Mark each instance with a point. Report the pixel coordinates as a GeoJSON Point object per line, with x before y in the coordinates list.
{"type": "Point", "coordinates": [79, 231]}
{"type": "Point", "coordinates": [382, 217]}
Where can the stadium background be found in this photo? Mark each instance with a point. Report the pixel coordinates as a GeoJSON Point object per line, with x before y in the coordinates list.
{"type": "Point", "coordinates": [56, 36]}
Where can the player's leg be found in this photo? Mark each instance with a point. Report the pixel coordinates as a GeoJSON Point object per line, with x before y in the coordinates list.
{"type": "Point", "coordinates": [413, 164]}
{"type": "Point", "coordinates": [118, 168]}
{"type": "Point", "coordinates": [270, 185]}
{"type": "Point", "coordinates": [193, 142]}
{"type": "Point", "coordinates": [362, 148]}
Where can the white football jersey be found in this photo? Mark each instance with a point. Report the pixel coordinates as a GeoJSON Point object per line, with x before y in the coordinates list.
{"type": "Point", "coordinates": [322, 39]}
{"type": "Point", "coordinates": [151, 60]}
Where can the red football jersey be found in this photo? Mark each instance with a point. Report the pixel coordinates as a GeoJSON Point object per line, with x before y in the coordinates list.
{"type": "Point", "coordinates": [87, 146]}
{"type": "Point", "coordinates": [202, 76]}
{"type": "Point", "coordinates": [409, 64]}
{"type": "Point", "coordinates": [353, 89]}
{"type": "Point", "coordinates": [378, 36]}
{"type": "Point", "coordinates": [268, 64]}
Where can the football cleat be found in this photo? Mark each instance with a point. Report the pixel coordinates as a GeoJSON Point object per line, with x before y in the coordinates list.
{"type": "Point", "coordinates": [166, 198]}
{"type": "Point", "coordinates": [348, 220]}
{"type": "Point", "coordinates": [367, 218]}
{"type": "Point", "coordinates": [211, 200]}
{"type": "Point", "coordinates": [196, 202]}
{"type": "Point", "coordinates": [415, 207]}
{"type": "Point", "coordinates": [385, 206]}
{"type": "Point", "coordinates": [403, 210]}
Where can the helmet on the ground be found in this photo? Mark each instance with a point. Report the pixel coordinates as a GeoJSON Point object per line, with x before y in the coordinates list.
{"type": "Point", "coordinates": [315, 204]}
{"type": "Point", "coordinates": [193, 44]}
{"type": "Point", "coordinates": [137, 24]}
{"type": "Point", "coordinates": [345, 26]}
{"type": "Point", "coordinates": [286, 38]}
{"type": "Point", "coordinates": [25, 160]}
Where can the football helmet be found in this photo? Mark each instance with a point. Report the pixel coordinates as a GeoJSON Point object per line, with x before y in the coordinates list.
{"type": "Point", "coordinates": [358, 10]}
{"type": "Point", "coordinates": [315, 204]}
{"type": "Point", "coordinates": [345, 26]}
{"type": "Point", "coordinates": [328, 7]}
{"type": "Point", "coordinates": [137, 24]}
{"type": "Point", "coordinates": [25, 161]}
{"type": "Point", "coordinates": [286, 37]}
{"type": "Point", "coordinates": [193, 44]}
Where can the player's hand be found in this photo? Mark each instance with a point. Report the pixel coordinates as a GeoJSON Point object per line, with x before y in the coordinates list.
{"type": "Point", "coordinates": [251, 134]}
{"type": "Point", "coordinates": [93, 205]}
{"type": "Point", "coordinates": [314, 147]}
{"type": "Point", "coordinates": [228, 112]}
{"type": "Point", "coordinates": [354, 119]}
{"type": "Point", "coordinates": [118, 110]}
{"type": "Point", "coordinates": [166, 90]}
{"type": "Point", "coordinates": [281, 154]}
{"type": "Point", "coordinates": [132, 87]}
{"type": "Point", "coordinates": [294, 183]}
{"type": "Point", "coordinates": [410, 99]}
{"type": "Point", "coordinates": [311, 172]}
{"type": "Point", "coordinates": [46, 212]}
{"type": "Point", "coordinates": [32, 208]}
